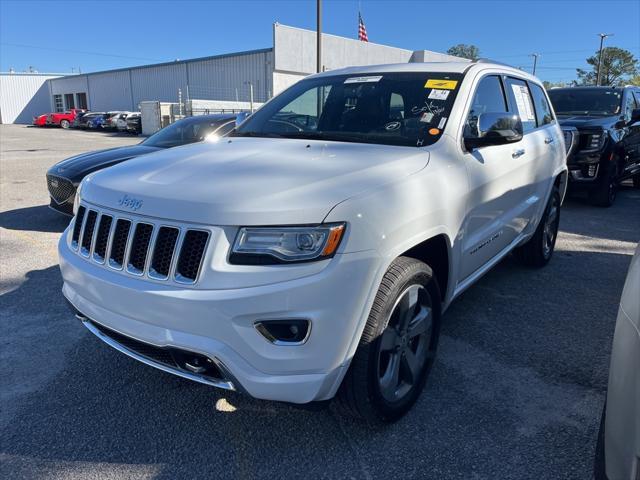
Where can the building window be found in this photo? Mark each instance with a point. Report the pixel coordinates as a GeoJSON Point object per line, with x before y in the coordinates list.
{"type": "Point", "coordinates": [81, 100]}
{"type": "Point", "coordinates": [57, 102]}
{"type": "Point", "coordinates": [68, 101]}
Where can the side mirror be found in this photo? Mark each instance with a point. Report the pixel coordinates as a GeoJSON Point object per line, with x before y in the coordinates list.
{"type": "Point", "coordinates": [495, 128]}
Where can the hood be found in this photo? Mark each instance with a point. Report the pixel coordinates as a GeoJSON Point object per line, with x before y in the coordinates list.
{"type": "Point", "coordinates": [251, 181]}
{"type": "Point", "coordinates": [76, 168]}
{"type": "Point", "coordinates": [583, 121]}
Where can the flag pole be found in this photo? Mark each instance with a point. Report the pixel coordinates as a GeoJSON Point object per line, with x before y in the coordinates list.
{"type": "Point", "coordinates": [318, 36]}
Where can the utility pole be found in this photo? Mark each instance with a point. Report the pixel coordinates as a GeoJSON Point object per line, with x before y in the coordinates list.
{"type": "Point", "coordinates": [535, 61]}
{"type": "Point", "coordinates": [318, 36]}
{"type": "Point", "coordinates": [602, 37]}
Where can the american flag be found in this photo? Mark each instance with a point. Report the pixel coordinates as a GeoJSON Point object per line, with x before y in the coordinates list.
{"type": "Point", "coordinates": [362, 30]}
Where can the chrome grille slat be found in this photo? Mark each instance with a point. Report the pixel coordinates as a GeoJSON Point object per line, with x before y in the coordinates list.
{"type": "Point", "coordinates": [76, 234]}
{"type": "Point", "coordinates": [163, 248]}
{"type": "Point", "coordinates": [140, 246]}
{"type": "Point", "coordinates": [87, 233]}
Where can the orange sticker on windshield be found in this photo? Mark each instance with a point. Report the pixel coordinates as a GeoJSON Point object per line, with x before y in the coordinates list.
{"type": "Point", "coordinates": [434, 131]}
{"type": "Point", "coordinates": [446, 84]}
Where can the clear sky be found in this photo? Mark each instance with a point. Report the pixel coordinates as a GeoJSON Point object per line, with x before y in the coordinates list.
{"type": "Point", "coordinates": [58, 36]}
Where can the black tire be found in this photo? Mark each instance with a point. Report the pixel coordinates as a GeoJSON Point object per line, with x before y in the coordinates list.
{"type": "Point", "coordinates": [599, 463]}
{"type": "Point", "coordinates": [367, 392]}
{"type": "Point", "coordinates": [604, 195]}
{"type": "Point", "coordinates": [64, 124]}
{"type": "Point", "coordinates": [539, 249]}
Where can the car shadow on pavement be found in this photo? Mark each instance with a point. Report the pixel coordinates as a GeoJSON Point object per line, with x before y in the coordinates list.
{"type": "Point", "coordinates": [37, 219]}
{"type": "Point", "coordinates": [520, 375]}
{"type": "Point", "coordinates": [620, 222]}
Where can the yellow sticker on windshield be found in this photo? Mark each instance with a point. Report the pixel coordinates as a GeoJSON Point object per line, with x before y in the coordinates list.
{"type": "Point", "coordinates": [446, 84]}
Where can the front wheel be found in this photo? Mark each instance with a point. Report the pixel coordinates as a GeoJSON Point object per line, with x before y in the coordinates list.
{"type": "Point", "coordinates": [398, 345]}
{"type": "Point", "coordinates": [538, 250]}
{"type": "Point", "coordinates": [605, 193]}
{"type": "Point", "coordinates": [64, 124]}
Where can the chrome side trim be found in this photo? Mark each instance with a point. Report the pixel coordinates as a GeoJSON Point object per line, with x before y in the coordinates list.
{"type": "Point", "coordinates": [225, 385]}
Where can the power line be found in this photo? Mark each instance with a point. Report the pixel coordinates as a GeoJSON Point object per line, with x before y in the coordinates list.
{"type": "Point", "coordinates": [84, 52]}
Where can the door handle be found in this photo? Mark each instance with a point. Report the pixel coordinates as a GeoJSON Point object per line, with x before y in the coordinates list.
{"type": "Point", "coordinates": [518, 153]}
{"type": "Point", "coordinates": [548, 140]}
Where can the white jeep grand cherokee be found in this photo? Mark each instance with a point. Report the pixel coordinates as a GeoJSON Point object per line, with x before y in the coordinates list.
{"type": "Point", "coordinates": [311, 253]}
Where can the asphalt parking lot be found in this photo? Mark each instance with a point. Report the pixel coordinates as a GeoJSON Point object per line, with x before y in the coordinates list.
{"type": "Point", "coordinates": [516, 392]}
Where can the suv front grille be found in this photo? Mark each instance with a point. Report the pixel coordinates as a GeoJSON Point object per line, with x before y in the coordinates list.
{"type": "Point", "coordinates": [60, 188]}
{"type": "Point", "coordinates": [157, 251]}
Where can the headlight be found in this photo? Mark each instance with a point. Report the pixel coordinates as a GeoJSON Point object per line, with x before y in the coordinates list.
{"type": "Point", "coordinates": [595, 141]}
{"type": "Point", "coordinates": [271, 245]}
{"type": "Point", "coordinates": [76, 200]}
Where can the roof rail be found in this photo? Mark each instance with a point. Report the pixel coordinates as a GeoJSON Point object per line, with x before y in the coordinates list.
{"type": "Point", "coordinates": [488, 60]}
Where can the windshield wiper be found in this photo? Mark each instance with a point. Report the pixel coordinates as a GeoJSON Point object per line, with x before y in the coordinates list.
{"type": "Point", "coordinates": [255, 134]}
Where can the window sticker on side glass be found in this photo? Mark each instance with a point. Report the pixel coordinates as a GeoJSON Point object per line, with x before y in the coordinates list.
{"type": "Point", "coordinates": [523, 102]}
{"type": "Point", "coordinates": [446, 84]}
{"type": "Point", "coordinates": [372, 79]}
{"type": "Point", "coordinates": [438, 94]}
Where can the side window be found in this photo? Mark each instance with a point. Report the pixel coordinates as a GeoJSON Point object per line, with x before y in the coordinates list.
{"type": "Point", "coordinates": [489, 97]}
{"type": "Point", "coordinates": [543, 111]}
{"type": "Point", "coordinates": [629, 105]}
{"type": "Point", "coordinates": [520, 102]}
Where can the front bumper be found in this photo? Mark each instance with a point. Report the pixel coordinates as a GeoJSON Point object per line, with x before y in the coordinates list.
{"type": "Point", "coordinates": [219, 324]}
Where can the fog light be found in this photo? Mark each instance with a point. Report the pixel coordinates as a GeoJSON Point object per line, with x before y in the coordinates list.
{"type": "Point", "coordinates": [592, 170]}
{"type": "Point", "coordinates": [284, 332]}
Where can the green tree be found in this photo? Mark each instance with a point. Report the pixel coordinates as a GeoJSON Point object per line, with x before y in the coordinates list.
{"type": "Point", "coordinates": [635, 80]}
{"type": "Point", "coordinates": [465, 51]}
{"type": "Point", "coordinates": [618, 64]}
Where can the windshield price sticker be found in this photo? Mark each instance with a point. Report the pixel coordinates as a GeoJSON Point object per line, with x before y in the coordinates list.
{"type": "Point", "coordinates": [445, 84]}
{"type": "Point", "coordinates": [438, 94]}
{"type": "Point", "coordinates": [364, 79]}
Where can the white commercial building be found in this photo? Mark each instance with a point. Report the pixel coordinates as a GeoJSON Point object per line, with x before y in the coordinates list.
{"type": "Point", "coordinates": [236, 78]}
{"type": "Point", "coordinates": [24, 95]}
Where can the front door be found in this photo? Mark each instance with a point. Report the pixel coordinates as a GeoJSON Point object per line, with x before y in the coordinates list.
{"type": "Point", "coordinates": [501, 178]}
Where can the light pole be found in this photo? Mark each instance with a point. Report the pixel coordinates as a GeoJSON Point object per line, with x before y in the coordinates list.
{"type": "Point", "coordinates": [318, 36]}
{"type": "Point", "coordinates": [535, 61]}
{"type": "Point", "coordinates": [602, 37]}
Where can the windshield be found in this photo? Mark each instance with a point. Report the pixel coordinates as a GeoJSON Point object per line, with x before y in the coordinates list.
{"type": "Point", "coordinates": [183, 132]}
{"type": "Point", "coordinates": [596, 101]}
{"type": "Point", "coordinates": [408, 109]}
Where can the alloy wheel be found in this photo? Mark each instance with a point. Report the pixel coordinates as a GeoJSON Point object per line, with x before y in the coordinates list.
{"type": "Point", "coordinates": [405, 344]}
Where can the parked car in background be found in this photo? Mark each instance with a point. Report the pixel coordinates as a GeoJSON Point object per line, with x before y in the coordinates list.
{"type": "Point", "coordinates": [607, 120]}
{"type": "Point", "coordinates": [64, 177]}
{"type": "Point", "coordinates": [312, 252]}
{"type": "Point", "coordinates": [82, 122]}
{"type": "Point", "coordinates": [97, 121]}
{"type": "Point", "coordinates": [134, 123]}
{"type": "Point", "coordinates": [121, 121]}
{"type": "Point", "coordinates": [58, 119]}
{"type": "Point", "coordinates": [40, 120]}
{"type": "Point", "coordinates": [64, 119]}
{"type": "Point", "coordinates": [618, 447]}
{"type": "Point", "coordinates": [112, 121]}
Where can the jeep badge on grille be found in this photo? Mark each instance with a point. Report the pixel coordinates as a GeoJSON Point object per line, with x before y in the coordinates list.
{"type": "Point", "coordinates": [129, 202]}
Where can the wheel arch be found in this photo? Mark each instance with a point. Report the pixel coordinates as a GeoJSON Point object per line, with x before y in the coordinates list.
{"type": "Point", "coordinates": [434, 251]}
{"type": "Point", "coordinates": [562, 182]}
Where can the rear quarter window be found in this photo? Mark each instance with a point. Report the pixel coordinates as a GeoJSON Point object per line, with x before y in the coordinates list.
{"type": "Point", "coordinates": [544, 114]}
{"type": "Point", "coordinates": [520, 102]}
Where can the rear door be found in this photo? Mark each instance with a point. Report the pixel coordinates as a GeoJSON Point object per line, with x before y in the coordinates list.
{"type": "Point", "coordinates": [630, 143]}
{"type": "Point", "coordinates": [500, 179]}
